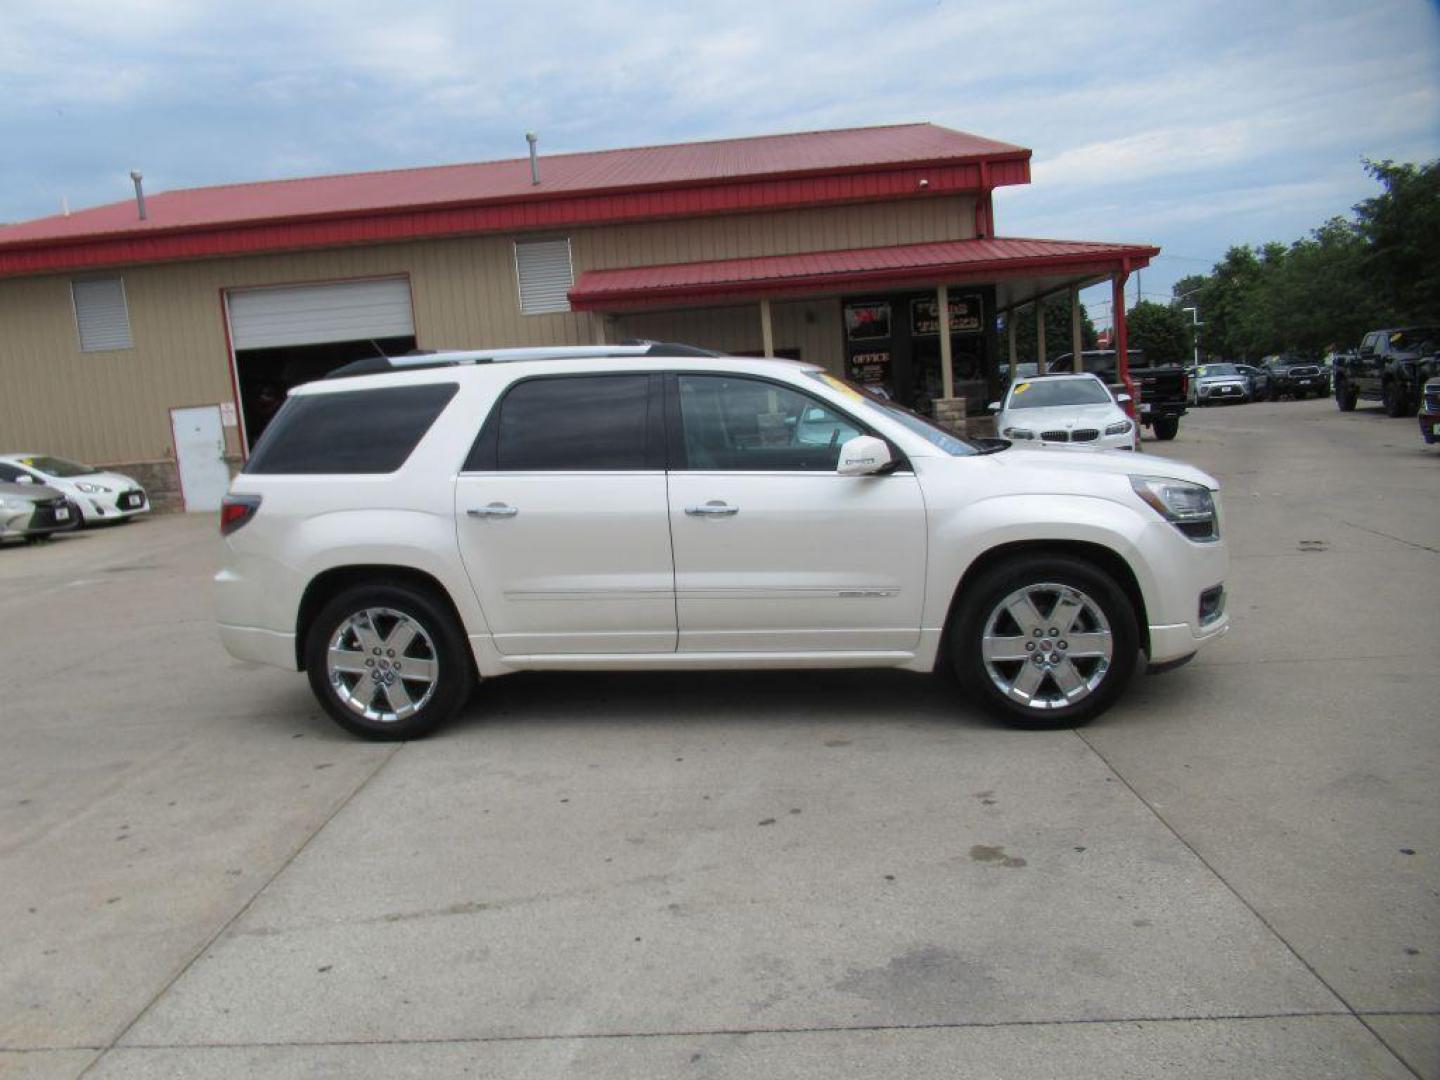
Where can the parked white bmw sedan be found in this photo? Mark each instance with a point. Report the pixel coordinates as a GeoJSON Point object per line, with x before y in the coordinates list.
{"type": "Point", "coordinates": [411, 525]}
{"type": "Point", "coordinates": [1067, 410]}
{"type": "Point", "coordinates": [99, 495]}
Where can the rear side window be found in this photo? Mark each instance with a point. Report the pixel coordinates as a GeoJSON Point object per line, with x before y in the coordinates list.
{"type": "Point", "coordinates": [585, 423]}
{"type": "Point", "coordinates": [354, 431]}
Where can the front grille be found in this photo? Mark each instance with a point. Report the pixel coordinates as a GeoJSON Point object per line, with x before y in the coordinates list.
{"type": "Point", "coordinates": [1084, 434]}
{"type": "Point", "coordinates": [130, 500]}
{"type": "Point", "coordinates": [43, 516]}
{"type": "Point", "coordinates": [1304, 372]}
{"type": "Point", "coordinates": [1432, 399]}
{"type": "Point", "coordinates": [1055, 436]}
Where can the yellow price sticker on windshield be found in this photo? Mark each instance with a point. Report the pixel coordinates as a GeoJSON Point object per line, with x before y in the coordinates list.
{"type": "Point", "coordinates": [1020, 388]}
{"type": "Point", "coordinates": [841, 385]}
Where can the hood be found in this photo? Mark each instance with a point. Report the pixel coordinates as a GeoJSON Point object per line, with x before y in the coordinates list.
{"type": "Point", "coordinates": [1072, 460]}
{"type": "Point", "coordinates": [114, 481]}
{"type": "Point", "coordinates": [1063, 417]}
{"type": "Point", "coordinates": [33, 492]}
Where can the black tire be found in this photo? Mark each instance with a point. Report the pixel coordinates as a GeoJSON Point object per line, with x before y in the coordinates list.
{"type": "Point", "coordinates": [1166, 427]}
{"type": "Point", "coordinates": [440, 641]}
{"type": "Point", "coordinates": [1345, 397]}
{"type": "Point", "coordinates": [979, 605]}
{"type": "Point", "coordinates": [1393, 398]}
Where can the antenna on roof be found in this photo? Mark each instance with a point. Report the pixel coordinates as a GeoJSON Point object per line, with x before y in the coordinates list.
{"type": "Point", "coordinates": [532, 139]}
{"type": "Point", "coordinates": [64, 206]}
{"type": "Point", "coordinates": [139, 192]}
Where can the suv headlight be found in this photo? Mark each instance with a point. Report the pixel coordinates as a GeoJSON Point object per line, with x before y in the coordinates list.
{"type": "Point", "coordinates": [1189, 507]}
{"type": "Point", "coordinates": [1120, 427]}
{"type": "Point", "coordinates": [12, 503]}
{"type": "Point", "coordinates": [89, 488]}
{"type": "Point", "coordinates": [1017, 433]}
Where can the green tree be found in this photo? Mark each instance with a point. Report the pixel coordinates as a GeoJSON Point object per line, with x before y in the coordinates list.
{"type": "Point", "coordinates": [1162, 331]}
{"type": "Point", "coordinates": [1057, 330]}
{"type": "Point", "coordinates": [1401, 226]}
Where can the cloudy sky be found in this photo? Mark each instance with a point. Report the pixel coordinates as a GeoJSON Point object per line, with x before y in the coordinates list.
{"type": "Point", "coordinates": [1193, 125]}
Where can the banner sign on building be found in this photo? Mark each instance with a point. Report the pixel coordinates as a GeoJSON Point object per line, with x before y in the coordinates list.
{"type": "Point", "coordinates": [965, 315]}
{"type": "Point", "coordinates": [867, 322]}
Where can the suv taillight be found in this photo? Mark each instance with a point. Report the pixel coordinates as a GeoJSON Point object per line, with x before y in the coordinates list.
{"type": "Point", "coordinates": [236, 510]}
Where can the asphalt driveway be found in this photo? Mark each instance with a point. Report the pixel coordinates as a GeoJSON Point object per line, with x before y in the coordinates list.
{"type": "Point", "coordinates": [1233, 873]}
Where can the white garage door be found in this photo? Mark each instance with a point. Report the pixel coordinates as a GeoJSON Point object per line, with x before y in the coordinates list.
{"type": "Point", "coordinates": [315, 314]}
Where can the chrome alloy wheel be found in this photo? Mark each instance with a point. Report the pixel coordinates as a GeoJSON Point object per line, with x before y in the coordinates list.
{"type": "Point", "coordinates": [1047, 646]}
{"type": "Point", "coordinates": [382, 664]}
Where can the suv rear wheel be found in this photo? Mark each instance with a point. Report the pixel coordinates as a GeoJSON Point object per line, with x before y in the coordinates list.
{"type": "Point", "coordinates": [387, 661]}
{"type": "Point", "coordinates": [1044, 641]}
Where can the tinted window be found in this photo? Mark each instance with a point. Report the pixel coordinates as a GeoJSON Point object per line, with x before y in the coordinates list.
{"type": "Point", "coordinates": [747, 424]}
{"type": "Point", "coordinates": [585, 423]}
{"type": "Point", "coordinates": [354, 431]}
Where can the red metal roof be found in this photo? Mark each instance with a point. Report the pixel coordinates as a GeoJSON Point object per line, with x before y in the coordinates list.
{"type": "Point", "coordinates": [947, 260]}
{"type": "Point", "coordinates": [656, 181]}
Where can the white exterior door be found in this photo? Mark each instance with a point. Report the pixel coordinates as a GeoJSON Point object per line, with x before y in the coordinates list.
{"type": "Point", "coordinates": [774, 550]}
{"type": "Point", "coordinates": [563, 521]}
{"type": "Point", "coordinates": [200, 455]}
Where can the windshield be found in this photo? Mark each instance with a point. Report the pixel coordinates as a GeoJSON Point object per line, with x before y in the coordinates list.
{"type": "Point", "coordinates": [927, 429]}
{"type": "Point", "coordinates": [1044, 393]}
{"type": "Point", "coordinates": [1218, 369]}
{"type": "Point", "coordinates": [54, 466]}
{"type": "Point", "coordinates": [1413, 339]}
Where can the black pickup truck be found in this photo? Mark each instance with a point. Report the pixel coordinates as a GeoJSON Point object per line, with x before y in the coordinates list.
{"type": "Point", "coordinates": [1164, 391]}
{"type": "Point", "coordinates": [1390, 367]}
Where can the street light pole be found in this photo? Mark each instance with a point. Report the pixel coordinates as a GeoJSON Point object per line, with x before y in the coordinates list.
{"type": "Point", "coordinates": [1195, 321]}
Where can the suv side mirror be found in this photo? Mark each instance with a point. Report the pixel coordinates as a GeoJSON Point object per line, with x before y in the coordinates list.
{"type": "Point", "coordinates": [1122, 398]}
{"type": "Point", "coordinates": [25, 478]}
{"type": "Point", "coordinates": [863, 455]}
{"type": "Point", "coordinates": [994, 406]}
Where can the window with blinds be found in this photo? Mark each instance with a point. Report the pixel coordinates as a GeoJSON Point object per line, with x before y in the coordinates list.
{"type": "Point", "coordinates": [545, 275]}
{"type": "Point", "coordinates": [101, 316]}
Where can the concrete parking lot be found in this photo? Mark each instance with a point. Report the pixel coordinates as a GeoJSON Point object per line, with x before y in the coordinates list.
{"type": "Point", "coordinates": [1232, 873]}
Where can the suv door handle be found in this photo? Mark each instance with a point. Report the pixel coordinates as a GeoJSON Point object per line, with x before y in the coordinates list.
{"type": "Point", "coordinates": [714, 508]}
{"type": "Point", "coordinates": [494, 510]}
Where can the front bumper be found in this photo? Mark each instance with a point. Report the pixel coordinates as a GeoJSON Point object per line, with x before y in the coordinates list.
{"type": "Point", "coordinates": [1223, 392]}
{"type": "Point", "coordinates": [113, 505]}
{"type": "Point", "coordinates": [1430, 426]}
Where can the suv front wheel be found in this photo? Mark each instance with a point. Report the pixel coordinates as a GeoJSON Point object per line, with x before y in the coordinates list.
{"type": "Point", "coordinates": [387, 661]}
{"type": "Point", "coordinates": [1044, 641]}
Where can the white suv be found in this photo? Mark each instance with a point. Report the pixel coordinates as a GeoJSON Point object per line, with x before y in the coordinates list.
{"type": "Point", "coordinates": [399, 534]}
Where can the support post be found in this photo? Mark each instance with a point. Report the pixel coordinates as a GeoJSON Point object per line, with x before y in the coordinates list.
{"type": "Point", "coordinates": [1122, 339]}
{"type": "Point", "coordinates": [1077, 339]}
{"type": "Point", "coordinates": [767, 331]}
{"type": "Point", "coordinates": [947, 370]}
{"type": "Point", "coordinates": [1010, 334]}
{"type": "Point", "coordinates": [1041, 367]}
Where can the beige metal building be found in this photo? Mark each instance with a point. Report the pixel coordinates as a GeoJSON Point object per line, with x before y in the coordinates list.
{"type": "Point", "coordinates": [158, 335]}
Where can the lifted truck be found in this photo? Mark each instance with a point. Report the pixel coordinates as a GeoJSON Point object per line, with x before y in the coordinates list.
{"type": "Point", "coordinates": [1164, 392]}
{"type": "Point", "coordinates": [1390, 367]}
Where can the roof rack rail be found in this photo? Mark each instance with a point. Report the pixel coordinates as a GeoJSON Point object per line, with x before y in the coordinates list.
{"type": "Point", "coordinates": [421, 360]}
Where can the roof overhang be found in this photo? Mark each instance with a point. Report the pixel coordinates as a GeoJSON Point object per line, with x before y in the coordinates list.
{"type": "Point", "coordinates": [1022, 269]}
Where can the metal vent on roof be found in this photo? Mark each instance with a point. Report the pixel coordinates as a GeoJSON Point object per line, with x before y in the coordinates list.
{"type": "Point", "coordinates": [545, 274]}
{"type": "Point", "coordinates": [101, 315]}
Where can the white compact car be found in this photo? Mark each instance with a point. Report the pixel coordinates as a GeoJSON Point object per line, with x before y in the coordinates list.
{"type": "Point", "coordinates": [100, 496]}
{"type": "Point", "coordinates": [1066, 410]}
{"type": "Point", "coordinates": [405, 527]}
